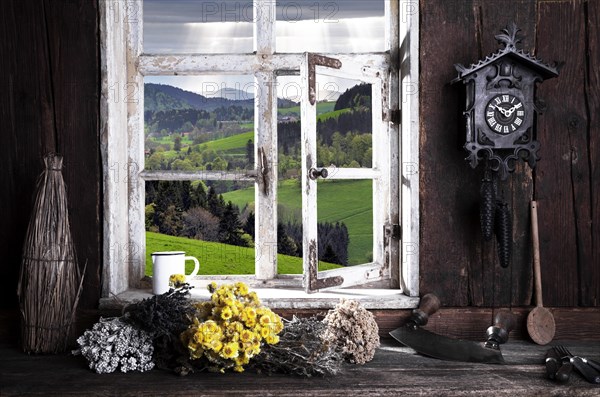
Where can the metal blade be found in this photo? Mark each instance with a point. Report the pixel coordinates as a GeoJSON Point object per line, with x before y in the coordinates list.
{"type": "Point", "coordinates": [442, 347]}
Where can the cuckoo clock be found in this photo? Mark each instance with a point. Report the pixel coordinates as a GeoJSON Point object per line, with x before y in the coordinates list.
{"type": "Point", "coordinates": [501, 105]}
{"type": "Point", "coordinates": [500, 116]}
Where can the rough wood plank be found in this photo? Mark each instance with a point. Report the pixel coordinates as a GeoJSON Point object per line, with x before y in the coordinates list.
{"type": "Point", "coordinates": [49, 77]}
{"type": "Point", "coordinates": [590, 285]}
{"type": "Point", "coordinates": [560, 36]}
{"type": "Point", "coordinates": [471, 323]}
{"type": "Point", "coordinates": [74, 73]}
{"type": "Point", "coordinates": [578, 131]}
{"type": "Point", "coordinates": [449, 189]}
{"type": "Point", "coordinates": [18, 165]}
{"type": "Point", "coordinates": [23, 105]}
{"type": "Point", "coordinates": [571, 324]}
{"type": "Point", "coordinates": [513, 284]}
{"type": "Point", "coordinates": [395, 371]}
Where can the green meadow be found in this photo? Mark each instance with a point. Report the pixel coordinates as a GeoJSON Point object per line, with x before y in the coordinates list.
{"type": "Point", "coordinates": [348, 201]}
{"type": "Point", "coordinates": [218, 258]}
{"type": "Point", "coordinates": [322, 107]}
{"type": "Point", "coordinates": [231, 144]}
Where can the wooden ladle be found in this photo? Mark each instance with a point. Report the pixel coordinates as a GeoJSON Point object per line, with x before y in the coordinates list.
{"type": "Point", "coordinates": [540, 321]}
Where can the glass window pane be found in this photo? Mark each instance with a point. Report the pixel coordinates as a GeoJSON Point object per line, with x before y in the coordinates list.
{"type": "Point", "coordinates": [198, 26]}
{"type": "Point", "coordinates": [205, 220]}
{"type": "Point", "coordinates": [199, 123]}
{"type": "Point", "coordinates": [344, 122]}
{"type": "Point", "coordinates": [345, 214]}
{"type": "Point", "coordinates": [344, 126]}
{"type": "Point", "coordinates": [330, 26]}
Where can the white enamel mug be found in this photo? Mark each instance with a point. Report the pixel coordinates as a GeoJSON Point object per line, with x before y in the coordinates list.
{"type": "Point", "coordinates": [167, 263]}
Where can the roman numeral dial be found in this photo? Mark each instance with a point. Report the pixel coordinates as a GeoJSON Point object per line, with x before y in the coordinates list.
{"type": "Point", "coordinates": [504, 114]}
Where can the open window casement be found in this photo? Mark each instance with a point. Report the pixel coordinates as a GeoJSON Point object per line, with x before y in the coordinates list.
{"type": "Point", "coordinates": [378, 269]}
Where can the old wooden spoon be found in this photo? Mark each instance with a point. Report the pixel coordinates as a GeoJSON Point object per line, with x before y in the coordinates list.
{"type": "Point", "coordinates": [540, 321]}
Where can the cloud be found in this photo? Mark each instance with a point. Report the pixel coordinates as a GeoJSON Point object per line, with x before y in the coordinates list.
{"type": "Point", "coordinates": [185, 11]}
{"type": "Point", "coordinates": [226, 26]}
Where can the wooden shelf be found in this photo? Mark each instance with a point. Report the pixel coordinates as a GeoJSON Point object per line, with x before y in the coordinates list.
{"type": "Point", "coordinates": [395, 370]}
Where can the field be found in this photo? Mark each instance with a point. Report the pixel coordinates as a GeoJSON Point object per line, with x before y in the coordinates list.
{"type": "Point", "coordinates": [218, 258]}
{"type": "Point", "coordinates": [348, 201]}
{"type": "Point", "coordinates": [231, 144]}
{"type": "Point", "coordinates": [322, 107]}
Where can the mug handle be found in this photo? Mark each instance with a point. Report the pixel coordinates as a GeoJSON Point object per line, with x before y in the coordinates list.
{"type": "Point", "coordinates": [196, 267]}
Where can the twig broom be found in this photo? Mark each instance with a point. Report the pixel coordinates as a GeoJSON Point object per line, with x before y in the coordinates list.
{"type": "Point", "coordinates": [50, 281]}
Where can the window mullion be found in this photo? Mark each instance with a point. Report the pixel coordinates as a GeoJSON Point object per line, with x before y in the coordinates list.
{"type": "Point", "coordinates": [265, 131]}
{"type": "Point", "coordinates": [264, 26]}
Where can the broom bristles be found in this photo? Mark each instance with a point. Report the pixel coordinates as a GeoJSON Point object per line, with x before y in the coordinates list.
{"type": "Point", "coordinates": [50, 280]}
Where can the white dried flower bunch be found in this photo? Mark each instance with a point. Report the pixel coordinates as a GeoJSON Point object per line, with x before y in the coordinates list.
{"type": "Point", "coordinates": [354, 329]}
{"type": "Point", "coordinates": [112, 344]}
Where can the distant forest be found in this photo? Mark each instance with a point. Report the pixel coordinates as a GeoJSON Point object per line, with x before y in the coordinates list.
{"type": "Point", "coordinates": [180, 208]}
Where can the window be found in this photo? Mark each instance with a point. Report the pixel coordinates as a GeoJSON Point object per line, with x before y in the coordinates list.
{"type": "Point", "coordinates": [262, 50]}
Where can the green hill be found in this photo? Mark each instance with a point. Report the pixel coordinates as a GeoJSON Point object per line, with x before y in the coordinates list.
{"type": "Point", "coordinates": [234, 143]}
{"type": "Point", "coordinates": [164, 97]}
{"type": "Point", "coordinates": [218, 258]}
{"type": "Point", "coordinates": [322, 107]}
{"type": "Point", "coordinates": [348, 201]}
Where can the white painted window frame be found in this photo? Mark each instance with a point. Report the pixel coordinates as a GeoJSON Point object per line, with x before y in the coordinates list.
{"type": "Point", "coordinates": [123, 67]}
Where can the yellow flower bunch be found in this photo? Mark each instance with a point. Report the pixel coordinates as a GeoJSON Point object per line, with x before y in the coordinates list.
{"type": "Point", "coordinates": [176, 280]}
{"type": "Point", "coordinates": [229, 329]}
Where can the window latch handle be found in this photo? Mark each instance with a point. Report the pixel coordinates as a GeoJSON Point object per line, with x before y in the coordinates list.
{"type": "Point", "coordinates": [315, 173]}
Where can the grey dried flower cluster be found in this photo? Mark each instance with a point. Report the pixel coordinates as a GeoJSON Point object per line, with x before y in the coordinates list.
{"type": "Point", "coordinates": [301, 351]}
{"type": "Point", "coordinates": [354, 329]}
{"type": "Point", "coordinates": [112, 344]}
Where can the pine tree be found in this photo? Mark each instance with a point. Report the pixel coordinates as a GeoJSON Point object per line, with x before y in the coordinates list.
{"type": "Point", "coordinates": [249, 224]}
{"type": "Point", "coordinates": [185, 190]}
{"type": "Point", "coordinates": [170, 221]}
{"type": "Point", "coordinates": [198, 196]}
{"type": "Point", "coordinates": [230, 227]}
{"type": "Point", "coordinates": [329, 255]}
{"type": "Point", "coordinates": [285, 244]}
{"type": "Point", "coordinates": [215, 203]}
{"type": "Point", "coordinates": [250, 152]}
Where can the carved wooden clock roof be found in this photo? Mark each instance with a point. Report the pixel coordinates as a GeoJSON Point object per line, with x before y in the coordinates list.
{"type": "Point", "coordinates": [510, 40]}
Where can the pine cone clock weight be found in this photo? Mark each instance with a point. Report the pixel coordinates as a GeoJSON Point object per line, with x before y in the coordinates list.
{"type": "Point", "coordinates": [503, 230]}
{"type": "Point", "coordinates": [487, 207]}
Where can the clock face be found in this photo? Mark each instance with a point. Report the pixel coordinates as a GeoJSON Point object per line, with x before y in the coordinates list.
{"type": "Point", "coordinates": [504, 114]}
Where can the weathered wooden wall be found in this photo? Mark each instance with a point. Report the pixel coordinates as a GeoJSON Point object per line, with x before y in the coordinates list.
{"type": "Point", "coordinates": [49, 76]}
{"type": "Point", "coordinates": [455, 261]}
{"type": "Point", "coordinates": [49, 101]}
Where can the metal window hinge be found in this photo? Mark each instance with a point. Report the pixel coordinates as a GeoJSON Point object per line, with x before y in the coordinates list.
{"type": "Point", "coordinates": [263, 171]}
{"type": "Point", "coordinates": [313, 61]}
{"type": "Point", "coordinates": [395, 116]}
{"type": "Point", "coordinates": [393, 231]}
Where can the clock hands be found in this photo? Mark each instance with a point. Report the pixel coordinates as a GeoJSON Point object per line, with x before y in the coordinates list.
{"type": "Point", "coordinates": [505, 112]}
{"type": "Point", "coordinates": [510, 111]}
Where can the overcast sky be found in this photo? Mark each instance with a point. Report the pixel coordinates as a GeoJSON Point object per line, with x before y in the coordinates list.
{"type": "Point", "coordinates": [226, 26]}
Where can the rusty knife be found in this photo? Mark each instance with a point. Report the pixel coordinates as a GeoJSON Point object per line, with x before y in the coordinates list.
{"type": "Point", "coordinates": [445, 348]}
